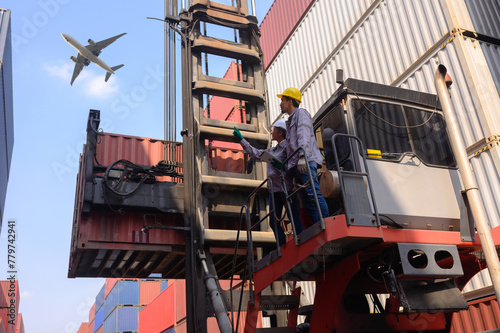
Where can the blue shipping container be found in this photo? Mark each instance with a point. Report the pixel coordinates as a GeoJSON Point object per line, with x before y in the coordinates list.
{"type": "Point", "coordinates": [123, 293]}
{"type": "Point", "coordinates": [98, 320]}
{"type": "Point", "coordinates": [170, 330]}
{"type": "Point", "coordinates": [164, 285]}
{"type": "Point", "coordinates": [122, 319]}
{"type": "Point", "coordinates": [99, 299]}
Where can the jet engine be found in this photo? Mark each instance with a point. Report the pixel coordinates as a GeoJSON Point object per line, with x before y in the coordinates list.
{"type": "Point", "coordinates": [75, 60]}
{"type": "Point", "coordinates": [91, 42]}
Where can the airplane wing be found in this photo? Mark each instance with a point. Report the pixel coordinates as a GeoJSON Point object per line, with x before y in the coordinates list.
{"type": "Point", "coordinates": [97, 47]}
{"type": "Point", "coordinates": [78, 67]}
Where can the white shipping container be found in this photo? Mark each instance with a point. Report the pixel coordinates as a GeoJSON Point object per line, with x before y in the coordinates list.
{"type": "Point", "coordinates": [401, 43]}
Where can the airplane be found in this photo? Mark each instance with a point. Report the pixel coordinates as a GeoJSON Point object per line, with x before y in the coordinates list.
{"type": "Point", "coordinates": [90, 53]}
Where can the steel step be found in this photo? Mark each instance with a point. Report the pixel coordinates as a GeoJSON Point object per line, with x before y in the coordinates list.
{"type": "Point", "coordinates": [223, 15]}
{"type": "Point", "coordinates": [275, 330]}
{"type": "Point", "coordinates": [224, 134]}
{"type": "Point", "coordinates": [225, 48]}
{"type": "Point", "coordinates": [231, 183]}
{"type": "Point", "coordinates": [226, 88]}
{"type": "Point", "coordinates": [278, 302]}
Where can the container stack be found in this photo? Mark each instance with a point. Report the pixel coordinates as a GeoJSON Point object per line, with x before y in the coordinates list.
{"type": "Point", "coordinates": [9, 306]}
{"type": "Point", "coordinates": [84, 328]}
{"type": "Point", "coordinates": [167, 312]}
{"type": "Point", "coordinates": [99, 311]}
{"type": "Point", "coordinates": [19, 323]}
{"type": "Point", "coordinates": [118, 304]}
{"type": "Point", "coordinates": [91, 319]}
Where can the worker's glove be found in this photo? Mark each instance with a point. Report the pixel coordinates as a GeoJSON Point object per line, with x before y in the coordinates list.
{"type": "Point", "coordinates": [237, 133]}
{"type": "Point", "coordinates": [276, 164]}
{"type": "Point", "coordinates": [301, 165]}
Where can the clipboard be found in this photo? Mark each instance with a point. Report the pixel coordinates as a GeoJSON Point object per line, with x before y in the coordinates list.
{"type": "Point", "coordinates": [268, 157]}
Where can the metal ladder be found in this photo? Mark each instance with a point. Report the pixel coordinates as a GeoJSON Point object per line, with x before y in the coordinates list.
{"type": "Point", "coordinates": [210, 192]}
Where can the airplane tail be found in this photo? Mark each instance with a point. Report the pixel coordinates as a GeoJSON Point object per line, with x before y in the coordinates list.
{"type": "Point", "coordinates": [108, 74]}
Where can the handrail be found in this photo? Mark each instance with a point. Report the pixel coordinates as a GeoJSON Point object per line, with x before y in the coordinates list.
{"type": "Point", "coordinates": [250, 258]}
{"type": "Point", "coordinates": [340, 172]}
{"type": "Point", "coordinates": [288, 196]}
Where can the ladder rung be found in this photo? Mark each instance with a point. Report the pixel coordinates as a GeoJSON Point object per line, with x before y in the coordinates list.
{"type": "Point", "coordinates": [225, 48]}
{"type": "Point", "coordinates": [224, 236]}
{"type": "Point", "coordinates": [224, 15]}
{"type": "Point", "coordinates": [210, 87]}
{"type": "Point", "coordinates": [231, 182]}
{"type": "Point", "coordinates": [223, 134]}
{"type": "Point", "coordinates": [226, 124]}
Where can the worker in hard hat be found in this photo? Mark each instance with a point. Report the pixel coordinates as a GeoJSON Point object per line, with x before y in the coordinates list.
{"type": "Point", "coordinates": [300, 133]}
{"type": "Point", "coordinates": [279, 151]}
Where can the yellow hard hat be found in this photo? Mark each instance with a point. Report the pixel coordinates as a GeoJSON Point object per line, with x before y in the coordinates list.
{"type": "Point", "coordinates": [292, 93]}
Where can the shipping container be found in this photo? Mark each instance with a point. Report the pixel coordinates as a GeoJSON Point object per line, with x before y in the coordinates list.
{"type": "Point", "coordinates": [484, 16]}
{"type": "Point", "coordinates": [99, 319]}
{"type": "Point", "coordinates": [122, 319]}
{"type": "Point", "coordinates": [169, 310]}
{"type": "Point", "coordinates": [92, 313]}
{"type": "Point", "coordinates": [91, 327]}
{"type": "Point", "coordinates": [6, 105]}
{"type": "Point", "coordinates": [124, 292]}
{"type": "Point", "coordinates": [483, 314]}
{"type": "Point", "coordinates": [401, 43]}
{"type": "Point", "coordinates": [106, 243]}
{"type": "Point", "coordinates": [99, 330]}
{"type": "Point", "coordinates": [109, 284]}
{"type": "Point", "coordinates": [148, 291]}
{"type": "Point", "coordinates": [10, 294]}
{"type": "Point", "coordinates": [7, 316]}
{"type": "Point", "coordinates": [279, 23]}
{"type": "Point", "coordinates": [84, 328]}
{"type": "Point", "coordinates": [20, 324]}
{"type": "Point", "coordinates": [2, 326]}
{"type": "Point", "coordinates": [164, 285]}
{"type": "Point", "coordinates": [159, 315]}
{"type": "Point", "coordinates": [99, 299]}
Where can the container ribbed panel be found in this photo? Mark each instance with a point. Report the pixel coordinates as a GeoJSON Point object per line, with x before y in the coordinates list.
{"type": "Point", "coordinates": [484, 16]}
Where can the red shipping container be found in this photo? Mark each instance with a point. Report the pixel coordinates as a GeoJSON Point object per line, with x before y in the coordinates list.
{"type": "Point", "coordinates": [20, 324]}
{"type": "Point", "coordinates": [180, 300]}
{"type": "Point", "coordinates": [91, 327]}
{"type": "Point", "coordinates": [159, 315]}
{"type": "Point", "coordinates": [84, 328]}
{"type": "Point", "coordinates": [7, 315]}
{"type": "Point", "coordinates": [92, 314]}
{"type": "Point", "coordinates": [99, 330]}
{"type": "Point", "coordinates": [148, 291]}
{"type": "Point", "coordinates": [279, 24]}
{"type": "Point", "coordinates": [181, 328]}
{"type": "Point", "coordinates": [139, 150]}
{"type": "Point", "coordinates": [109, 284]}
{"type": "Point", "coordinates": [2, 326]}
{"type": "Point", "coordinates": [483, 315]}
{"type": "Point", "coordinates": [8, 290]}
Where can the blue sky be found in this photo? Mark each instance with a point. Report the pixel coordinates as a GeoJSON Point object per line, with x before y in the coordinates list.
{"type": "Point", "coordinates": [49, 127]}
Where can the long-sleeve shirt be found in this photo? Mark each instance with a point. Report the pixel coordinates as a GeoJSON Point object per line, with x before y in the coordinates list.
{"type": "Point", "coordinates": [300, 133]}
{"type": "Point", "coordinates": [278, 151]}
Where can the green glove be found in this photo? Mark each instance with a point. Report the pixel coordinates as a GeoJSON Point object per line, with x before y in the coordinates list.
{"type": "Point", "coordinates": [237, 133]}
{"type": "Point", "coordinates": [277, 164]}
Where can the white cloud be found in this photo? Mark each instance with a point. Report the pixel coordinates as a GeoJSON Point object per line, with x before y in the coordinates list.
{"type": "Point", "coordinates": [62, 71]}
{"type": "Point", "coordinates": [26, 294]}
{"type": "Point", "coordinates": [90, 82]}
{"type": "Point", "coordinates": [96, 87]}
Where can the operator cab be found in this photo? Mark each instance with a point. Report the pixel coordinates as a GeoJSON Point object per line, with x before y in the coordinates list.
{"type": "Point", "coordinates": [414, 178]}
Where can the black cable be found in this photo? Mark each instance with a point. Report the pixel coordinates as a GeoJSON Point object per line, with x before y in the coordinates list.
{"type": "Point", "coordinates": [392, 222]}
